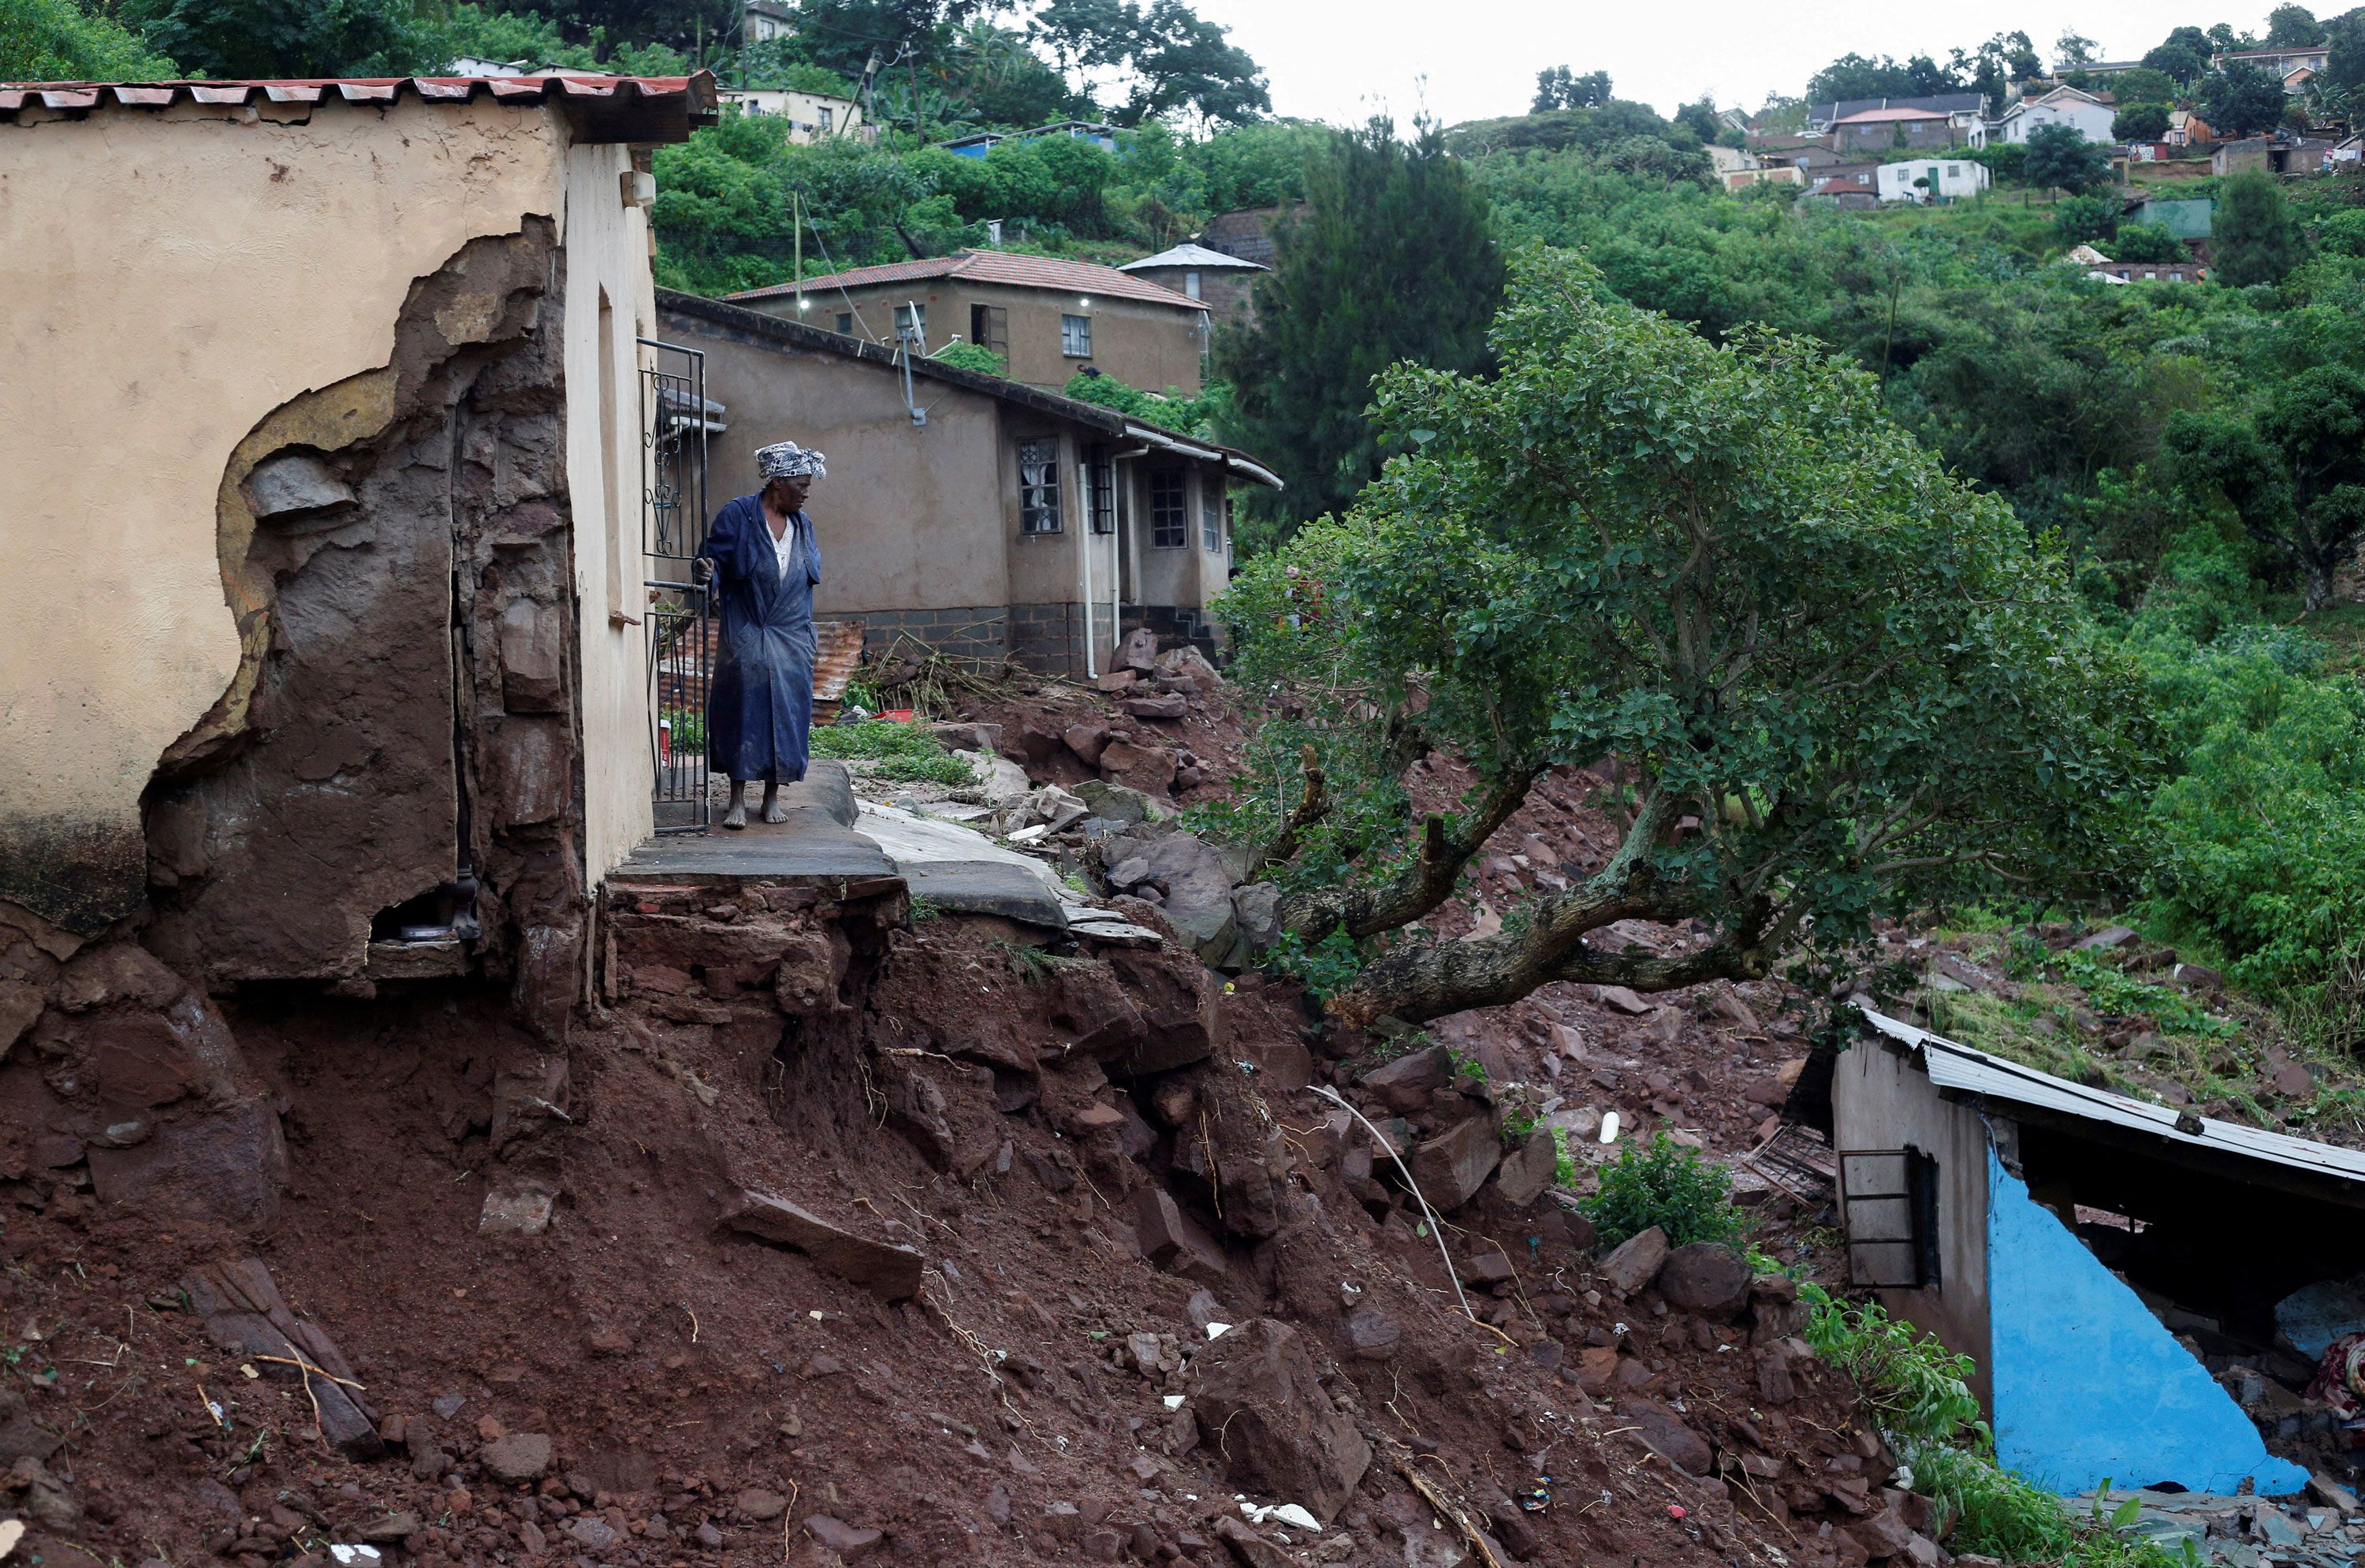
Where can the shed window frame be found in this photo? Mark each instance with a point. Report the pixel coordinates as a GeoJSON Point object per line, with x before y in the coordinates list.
{"type": "Point", "coordinates": [1211, 516]}
{"type": "Point", "coordinates": [1100, 489]}
{"type": "Point", "coordinates": [1075, 335]}
{"type": "Point", "coordinates": [1038, 497]}
{"type": "Point", "coordinates": [1890, 1201]}
{"type": "Point", "coordinates": [846, 323]}
{"type": "Point", "coordinates": [1169, 509]}
{"type": "Point", "coordinates": [988, 328]}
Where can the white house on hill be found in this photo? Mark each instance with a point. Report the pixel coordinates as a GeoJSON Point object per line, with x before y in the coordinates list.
{"type": "Point", "coordinates": [1931, 179]}
{"type": "Point", "coordinates": [2082, 112]}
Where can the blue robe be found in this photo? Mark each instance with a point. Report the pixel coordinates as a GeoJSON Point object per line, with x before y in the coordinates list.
{"type": "Point", "coordinates": [759, 710]}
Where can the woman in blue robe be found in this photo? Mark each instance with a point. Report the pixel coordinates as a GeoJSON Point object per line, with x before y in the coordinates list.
{"type": "Point", "coordinates": [765, 563]}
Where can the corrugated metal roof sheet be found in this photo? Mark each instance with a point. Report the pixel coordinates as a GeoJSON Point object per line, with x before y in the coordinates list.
{"type": "Point", "coordinates": [1958, 1067]}
{"type": "Point", "coordinates": [1085, 278]}
{"type": "Point", "coordinates": [694, 96]}
{"type": "Point", "coordinates": [1190, 255]}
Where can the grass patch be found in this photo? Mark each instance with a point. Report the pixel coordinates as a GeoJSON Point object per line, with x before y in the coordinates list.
{"type": "Point", "coordinates": [903, 754]}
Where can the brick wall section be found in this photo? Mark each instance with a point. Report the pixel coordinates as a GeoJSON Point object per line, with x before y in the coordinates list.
{"type": "Point", "coordinates": [1048, 638]}
{"type": "Point", "coordinates": [972, 634]}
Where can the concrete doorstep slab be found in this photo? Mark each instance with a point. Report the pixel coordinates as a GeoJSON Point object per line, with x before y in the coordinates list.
{"type": "Point", "coordinates": [958, 869]}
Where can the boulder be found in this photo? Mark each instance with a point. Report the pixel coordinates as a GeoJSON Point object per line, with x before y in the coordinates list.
{"type": "Point", "coordinates": [1452, 1166]}
{"type": "Point", "coordinates": [1621, 1000]}
{"type": "Point", "coordinates": [850, 1543]}
{"type": "Point", "coordinates": [1882, 1534]}
{"type": "Point", "coordinates": [517, 1457]}
{"type": "Point", "coordinates": [1121, 803]}
{"type": "Point", "coordinates": [887, 1272]}
{"type": "Point", "coordinates": [1086, 741]}
{"type": "Point", "coordinates": [1635, 1261]}
{"type": "Point", "coordinates": [1708, 1278]}
{"type": "Point", "coordinates": [1372, 1335]}
{"type": "Point", "coordinates": [1169, 706]}
{"type": "Point", "coordinates": [1004, 783]}
{"type": "Point", "coordinates": [1407, 1082]}
{"type": "Point", "coordinates": [1170, 1239]}
{"type": "Point", "coordinates": [534, 657]}
{"type": "Point", "coordinates": [227, 1167]}
{"type": "Point", "coordinates": [1139, 651]}
{"type": "Point", "coordinates": [1197, 886]}
{"type": "Point", "coordinates": [1528, 1170]}
{"type": "Point", "coordinates": [1149, 769]}
{"type": "Point", "coordinates": [2107, 938]}
{"type": "Point", "coordinates": [1257, 909]}
{"type": "Point", "coordinates": [116, 973]}
{"type": "Point", "coordinates": [1263, 1412]}
{"type": "Point", "coordinates": [1665, 1434]}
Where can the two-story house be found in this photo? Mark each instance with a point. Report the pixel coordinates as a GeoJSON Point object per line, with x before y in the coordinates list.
{"type": "Point", "coordinates": [1047, 317]}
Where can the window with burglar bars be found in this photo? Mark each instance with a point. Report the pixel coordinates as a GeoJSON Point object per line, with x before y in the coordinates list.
{"type": "Point", "coordinates": [1211, 516]}
{"type": "Point", "coordinates": [1038, 486]}
{"type": "Point", "coordinates": [988, 328]}
{"type": "Point", "coordinates": [1100, 479]}
{"type": "Point", "coordinates": [1076, 336]}
{"type": "Point", "coordinates": [1890, 1197]}
{"type": "Point", "coordinates": [1170, 513]}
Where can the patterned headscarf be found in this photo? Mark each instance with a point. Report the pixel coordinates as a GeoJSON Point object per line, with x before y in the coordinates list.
{"type": "Point", "coordinates": [785, 460]}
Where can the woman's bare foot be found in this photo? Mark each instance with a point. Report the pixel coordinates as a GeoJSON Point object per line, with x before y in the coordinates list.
{"type": "Point", "coordinates": [737, 815]}
{"type": "Point", "coordinates": [773, 811]}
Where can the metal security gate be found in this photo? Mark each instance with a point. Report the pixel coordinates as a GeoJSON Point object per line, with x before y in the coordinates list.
{"type": "Point", "coordinates": [675, 418]}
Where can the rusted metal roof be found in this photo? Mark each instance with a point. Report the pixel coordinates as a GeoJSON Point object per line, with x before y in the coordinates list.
{"type": "Point", "coordinates": [625, 106]}
{"type": "Point", "coordinates": [837, 653]}
{"type": "Point", "coordinates": [1083, 279]}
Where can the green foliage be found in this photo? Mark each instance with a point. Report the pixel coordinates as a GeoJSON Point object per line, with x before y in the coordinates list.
{"type": "Point", "coordinates": [2144, 85]}
{"type": "Point", "coordinates": [2059, 156]}
{"type": "Point", "coordinates": [2147, 242]}
{"type": "Point", "coordinates": [2254, 240]}
{"type": "Point", "coordinates": [1392, 262]}
{"type": "Point", "coordinates": [291, 38]}
{"type": "Point", "coordinates": [1725, 566]}
{"type": "Point", "coordinates": [1917, 1389]}
{"type": "Point", "coordinates": [1563, 1162]}
{"type": "Point", "coordinates": [58, 40]}
{"type": "Point", "coordinates": [1196, 413]}
{"type": "Point", "coordinates": [2086, 220]}
{"type": "Point", "coordinates": [1665, 1184]}
{"type": "Point", "coordinates": [2140, 123]}
{"type": "Point", "coordinates": [2240, 99]}
{"type": "Point", "coordinates": [1327, 966]}
{"type": "Point", "coordinates": [901, 753]}
{"type": "Point", "coordinates": [1556, 89]}
{"type": "Point", "coordinates": [1855, 76]}
{"type": "Point", "coordinates": [972, 356]}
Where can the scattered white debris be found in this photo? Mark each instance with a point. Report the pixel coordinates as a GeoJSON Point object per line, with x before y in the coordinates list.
{"type": "Point", "coordinates": [1173, 1402]}
{"type": "Point", "coordinates": [1218, 1330]}
{"type": "Point", "coordinates": [1289, 1514]}
{"type": "Point", "coordinates": [1609, 1127]}
{"type": "Point", "coordinates": [356, 1556]}
{"type": "Point", "coordinates": [11, 1533]}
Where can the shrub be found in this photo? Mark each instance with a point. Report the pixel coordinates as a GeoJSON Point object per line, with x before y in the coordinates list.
{"type": "Point", "coordinates": [2147, 242]}
{"type": "Point", "coordinates": [972, 356]}
{"type": "Point", "coordinates": [1664, 1184]}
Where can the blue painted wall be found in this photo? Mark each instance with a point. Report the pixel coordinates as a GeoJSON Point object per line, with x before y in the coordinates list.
{"type": "Point", "coordinates": [2087, 1384]}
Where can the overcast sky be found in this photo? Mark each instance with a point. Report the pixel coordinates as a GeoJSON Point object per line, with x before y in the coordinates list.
{"type": "Point", "coordinates": [1343, 60]}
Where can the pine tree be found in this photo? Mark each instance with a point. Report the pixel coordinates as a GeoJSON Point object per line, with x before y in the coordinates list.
{"type": "Point", "coordinates": [1392, 259]}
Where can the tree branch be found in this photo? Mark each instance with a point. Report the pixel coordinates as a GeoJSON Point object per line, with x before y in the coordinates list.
{"type": "Point", "coordinates": [1423, 883]}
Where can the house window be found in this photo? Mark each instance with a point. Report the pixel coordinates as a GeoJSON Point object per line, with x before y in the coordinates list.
{"type": "Point", "coordinates": [1211, 515]}
{"type": "Point", "coordinates": [1191, 285]}
{"type": "Point", "coordinates": [846, 322]}
{"type": "Point", "coordinates": [1100, 489]}
{"type": "Point", "coordinates": [1170, 511]}
{"type": "Point", "coordinates": [824, 120]}
{"type": "Point", "coordinates": [1076, 336]}
{"type": "Point", "coordinates": [1890, 1201]}
{"type": "Point", "coordinates": [988, 328]}
{"type": "Point", "coordinates": [911, 318]}
{"type": "Point", "coordinates": [1038, 486]}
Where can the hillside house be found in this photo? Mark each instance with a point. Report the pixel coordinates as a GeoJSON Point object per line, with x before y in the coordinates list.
{"type": "Point", "coordinates": [2296, 59]}
{"type": "Point", "coordinates": [979, 143]}
{"type": "Point", "coordinates": [1799, 151]}
{"type": "Point", "coordinates": [2117, 1269]}
{"type": "Point", "coordinates": [2081, 111]}
{"type": "Point", "coordinates": [761, 21]}
{"type": "Point", "coordinates": [1224, 284]}
{"type": "Point", "coordinates": [1840, 179]}
{"type": "Point", "coordinates": [1770, 174]}
{"type": "Point", "coordinates": [2109, 271]}
{"type": "Point", "coordinates": [1932, 179]}
{"type": "Point", "coordinates": [810, 116]}
{"type": "Point", "coordinates": [2187, 220]}
{"type": "Point", "coordinates": [342, 559]}
{"type": "Point", "coordinates": [1010, 524]}
{"type": "Point", "coordinates": [1047, 317]}
{"type": "Point", "coordinates": [1877, 130]}
{"type": "Point", "coordinates": [1964, 111]}
{"type": "Point", "coordinates": [2272, 155]}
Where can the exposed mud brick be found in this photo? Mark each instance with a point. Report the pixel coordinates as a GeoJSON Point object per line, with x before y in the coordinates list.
{"type": "Point", "coordinates": [1170, 1239]}
{"type": "Point", "coordinates": [1406, 1083]}
{"type": "Point", "coordinates": [549, 980]}
{"type": "Point", "coordinates": [1263, 1414]}
{"type": "Point", "coordinates": [888, 1272]}
{"type": "Point", "coordinates": [1451, 1167]}
{"type": "Point", "coordinates": [227, 1166]}
{"type": "Point", "coordinates": [1149, 769]}
{"type": "Point", "coordinates": [1528, 1170]}
{"type": "Point", "coordinates": [1665, 1433]}
{"type": "Point", "coordinates": [531, 772]}
{"type": "Point", "coordinates": [812, 963]}
{"type": "Point", "coordinates": [1708, 1277]}
{"type": "Point", "coordinates": [1635, 1261]}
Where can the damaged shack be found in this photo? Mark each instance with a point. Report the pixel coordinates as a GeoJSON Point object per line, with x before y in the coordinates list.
{"type": "Point", "coordinates": [2145, 1291]}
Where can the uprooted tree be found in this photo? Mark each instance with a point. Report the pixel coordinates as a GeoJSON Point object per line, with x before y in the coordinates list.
{"type": "Point", "coordinates": [1818, 677]}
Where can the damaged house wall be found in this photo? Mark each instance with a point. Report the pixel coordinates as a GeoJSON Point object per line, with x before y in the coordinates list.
{"type": "Point", "coordinates": [121, 223]}
{"type": "Point", "coordinates": [339, 552]}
